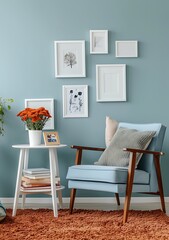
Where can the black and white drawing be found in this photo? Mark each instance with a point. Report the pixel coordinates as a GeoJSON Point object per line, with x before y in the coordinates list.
{"type": "Point", "coordinates": [75, 101]}
{"type": "Point", "coordinates": [70, 59]}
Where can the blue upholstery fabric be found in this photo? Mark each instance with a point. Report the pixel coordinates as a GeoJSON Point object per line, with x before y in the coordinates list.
{"type": "Point", "coordinates": [113, 179]}
{"type": "Point", "coordinates": [107, 174]}
{"type": "Point", "coordinates": [106, 187]}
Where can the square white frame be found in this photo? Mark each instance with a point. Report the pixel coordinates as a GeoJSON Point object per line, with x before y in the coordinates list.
{"type": "Point", "coordinates": [71, 100]}
{"type": "Point", "coordinates": [126, 49]}
{"type": "Point", "coordinates": [98, 41]}
{"type": "Point", "coordinates": [110, 82]}
{"type": "Point", "coordinates": [47, 103]}
{"type": "Point", "coordinates": [77, 49]}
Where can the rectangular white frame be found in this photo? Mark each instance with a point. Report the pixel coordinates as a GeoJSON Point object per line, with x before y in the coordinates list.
{"type": "Point", "coordinates": [63, 49]}
{"type": "Point", "coordinates": [110, 82]}
{"type": "Point", "coordinates": [47, 103]}
{"type": "Point", "coordinates": [126, 49]}
{"type": "Point", "coordinates": [98, 41]}
{"type": "Point", "coordinates": [74, 104]}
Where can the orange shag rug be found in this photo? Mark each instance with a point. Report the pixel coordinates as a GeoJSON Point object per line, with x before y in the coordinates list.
{"type": "Point", "coordinates": [84, 225]}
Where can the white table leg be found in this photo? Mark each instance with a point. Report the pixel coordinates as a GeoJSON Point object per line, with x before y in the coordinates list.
{"type": "Point", "coordinates": [56, 164]}
{"type": "Point", "coordinates": [18, 181]}
{"type": "Point", "coordinates": [52, 177]}
{"type": "Point", "coordinates": [26, 157]}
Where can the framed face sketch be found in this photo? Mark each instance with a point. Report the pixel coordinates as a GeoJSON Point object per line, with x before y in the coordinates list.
{"type": "Point", "coordinates": [69, 59]}
{"type": "Point", "coordinates": [75, 101]}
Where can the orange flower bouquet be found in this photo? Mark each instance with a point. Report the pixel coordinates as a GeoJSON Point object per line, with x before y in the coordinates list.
{"type": "Point", "coordinates": [34, 118]}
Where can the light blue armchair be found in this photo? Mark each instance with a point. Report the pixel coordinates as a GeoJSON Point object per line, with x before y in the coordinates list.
{"type": "Point", "coordinates": [146, 178]}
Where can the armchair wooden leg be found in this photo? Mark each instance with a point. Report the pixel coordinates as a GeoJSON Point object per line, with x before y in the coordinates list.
{"type": "Point", "coordinates": [129, 186]}
{"type": "Point", "coordinates": [117, 199]}
{"type": "Point", "coordinates": [126, 205]}
{"type": "Point", "coordinates": [159, 180]}
{"type": "Point", "coordinates": [72, 200]}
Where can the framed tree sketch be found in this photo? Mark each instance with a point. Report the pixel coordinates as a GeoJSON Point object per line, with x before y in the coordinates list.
{"type": "Point", "coordinates": [47, 103]}
{"type": "Point", "coordinates": [75, 101]}
{"type": "Point", "coordinates": [110, 82]}
{"type": "Point", "coordinates": [98, 41]}
{"type": "Point", "coordinates": [69, 59]}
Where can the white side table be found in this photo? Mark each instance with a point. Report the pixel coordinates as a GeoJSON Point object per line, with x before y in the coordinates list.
{"type": "Point", "coordinates": [54, 170]}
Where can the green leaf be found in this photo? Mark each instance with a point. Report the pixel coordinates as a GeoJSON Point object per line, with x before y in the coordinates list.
{"type": "Point", "coordinates": [4, 105]}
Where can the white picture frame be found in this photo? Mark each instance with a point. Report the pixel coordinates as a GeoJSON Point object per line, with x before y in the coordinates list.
{"type": "Point", "coordinates": [69, 59]}
{"type": "Point", "coordinates": [75, 101]}
{"type": "Point", "coordinates": [47, 103]}
{"type": "Point", "coordinates": [126, 49]}
{"type": "Point", "coordinates": [98, 41]}
{"type": "Point", "coordinates": [111, 82]}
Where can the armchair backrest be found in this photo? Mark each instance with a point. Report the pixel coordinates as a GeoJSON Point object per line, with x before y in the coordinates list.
{"type": "Point", "coordinates": [147, 163]}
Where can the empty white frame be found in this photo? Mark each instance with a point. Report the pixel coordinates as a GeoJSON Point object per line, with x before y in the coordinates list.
{"type": "Point", "coordinates": [47, 103]}
{"type": "Point", "coordinates": [126, 48]}
{"type": "Point", "coordinates": [98, 41]}
{"type": "Point", "coordinates": [75, 101]}
{"type": "Point", "coordinates": [69, 59]}
{"type": "Point", "coordinates": [110, 82]}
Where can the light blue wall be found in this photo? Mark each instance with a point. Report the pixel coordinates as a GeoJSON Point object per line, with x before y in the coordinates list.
{"type": "Point", "coordinates": [28, 29]}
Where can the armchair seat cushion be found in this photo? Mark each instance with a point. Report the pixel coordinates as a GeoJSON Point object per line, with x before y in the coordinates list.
{"type": "Point", "coordinates": [109, 174]}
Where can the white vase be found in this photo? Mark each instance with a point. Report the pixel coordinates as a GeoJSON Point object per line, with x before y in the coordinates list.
{"type": "Point", "coordinates": [35, 137]}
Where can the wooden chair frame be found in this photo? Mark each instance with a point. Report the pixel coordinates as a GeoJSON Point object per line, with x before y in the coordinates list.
{"type": "Point", "coordinates": [130, 177]}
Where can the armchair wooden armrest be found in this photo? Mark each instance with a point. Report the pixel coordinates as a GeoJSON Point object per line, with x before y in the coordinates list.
{"type": "Point", "coordinates": [134, 150]}
{"type": "Point", "coordinates": [87, 148]}
{"type": "Point", "coordinates": [79, 149]}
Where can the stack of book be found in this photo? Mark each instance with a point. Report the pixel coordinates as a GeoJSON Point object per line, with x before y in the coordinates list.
{"type": "Point", "coordinates": [37, 179]}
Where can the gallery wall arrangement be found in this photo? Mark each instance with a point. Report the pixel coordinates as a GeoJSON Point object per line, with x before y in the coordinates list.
{"type": "Point", "coordinates": [110, 78]}
{"type": "Point", "coordinates": [83, 61]}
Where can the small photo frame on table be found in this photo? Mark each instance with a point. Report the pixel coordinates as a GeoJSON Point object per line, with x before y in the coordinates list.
{"type": "Point", "coordinates": [51, 138]}
{"type": "Point", "coordinates": [98, 41]}
{"type": "Point", "coordinates": [75, 101]}
{"type": "Point", "coordinates": [70, 59]}
{"type": "Point", "coordinates": [111, 82]}
{"type": "Point", "coordinates": [47, 103]}
{"type": "Point", "coordinates": [126, 49]}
